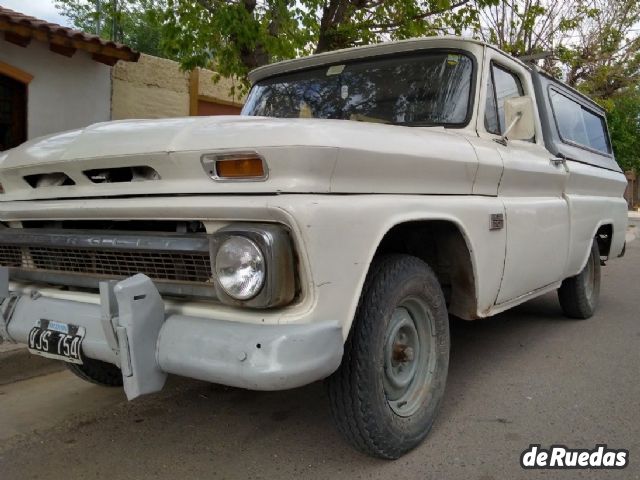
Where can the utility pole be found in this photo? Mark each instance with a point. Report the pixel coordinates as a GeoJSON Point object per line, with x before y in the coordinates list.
{"type": "Point", "coordinates": [98, 17]}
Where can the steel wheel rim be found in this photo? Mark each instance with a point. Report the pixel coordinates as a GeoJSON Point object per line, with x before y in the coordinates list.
{"type": "Point", "coordinates": [409, 357]}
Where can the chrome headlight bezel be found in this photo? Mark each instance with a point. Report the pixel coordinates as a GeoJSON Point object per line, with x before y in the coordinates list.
{"type": "Point", "coordinates": [273, 241]}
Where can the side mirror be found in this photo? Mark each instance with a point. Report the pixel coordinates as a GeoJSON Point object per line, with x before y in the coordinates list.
{"type": "Point", "coordinates": [518, 116]}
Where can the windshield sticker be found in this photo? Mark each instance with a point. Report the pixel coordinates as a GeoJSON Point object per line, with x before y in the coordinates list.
{"type": "Point", "coordinates": [335, 70]}
{"type": "Point", "coordinates": [453, 59]}
{"type": "Point", "coordinates": [344, 92]}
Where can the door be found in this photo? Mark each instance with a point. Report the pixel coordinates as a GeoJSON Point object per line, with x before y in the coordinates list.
{"type": "Point", "coordinates": [13, 112]}
{"type": "Point", "coordinates": [532, 189]}
{"type": "Point", "coordinates": [206, 107]}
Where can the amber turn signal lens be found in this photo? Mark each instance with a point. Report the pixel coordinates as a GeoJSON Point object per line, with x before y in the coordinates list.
{"type": "Point", "coordinates": [241, 167]}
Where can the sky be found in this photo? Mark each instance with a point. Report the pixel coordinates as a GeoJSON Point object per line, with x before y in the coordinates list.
{"type": "Point", "coordinates": [42, 9]}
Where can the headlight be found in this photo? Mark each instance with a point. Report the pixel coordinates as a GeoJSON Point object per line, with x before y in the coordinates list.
{"type": "Point", "coordinates": [253, 265]}
{"type": "Point", "coordinates": [240, 268]}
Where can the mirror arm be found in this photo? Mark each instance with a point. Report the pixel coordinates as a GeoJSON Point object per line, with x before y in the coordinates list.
{"type": "Point", "coordinates": [510, 127]}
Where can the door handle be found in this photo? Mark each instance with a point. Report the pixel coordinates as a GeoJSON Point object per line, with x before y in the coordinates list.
{"type": "Point", "coordinates": [558, 161]}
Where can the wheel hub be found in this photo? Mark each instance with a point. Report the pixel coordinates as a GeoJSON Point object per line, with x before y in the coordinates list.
{"type": "Point", "coordinates": [407, 357]}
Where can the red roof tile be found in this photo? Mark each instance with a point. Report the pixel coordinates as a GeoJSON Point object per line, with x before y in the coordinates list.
{"type": "Point", "coordinates": [24, 25]}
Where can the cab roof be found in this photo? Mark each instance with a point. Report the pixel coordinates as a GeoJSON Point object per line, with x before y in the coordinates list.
{"type": "Point", "coordinates": [355, 53]}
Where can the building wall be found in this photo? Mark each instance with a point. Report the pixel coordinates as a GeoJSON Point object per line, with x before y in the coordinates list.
{"type": "Point", "coordinates": [157, 88]}
{"type": "Point", "coordinates": [65, 93]}
{"type": "Point", "coordinates": [208, 88]}
{"type": "Point", "coordinates": [150, 88]}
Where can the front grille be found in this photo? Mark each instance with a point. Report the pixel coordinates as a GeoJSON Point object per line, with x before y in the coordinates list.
{"type": "Point", "coordinates": [164, 259]}
{"type": "Point", "coordinates": [10, 256]}
{"type": "Point", "coordinates": [182, 267]}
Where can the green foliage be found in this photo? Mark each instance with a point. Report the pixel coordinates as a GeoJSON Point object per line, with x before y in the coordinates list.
{"type": "Point", "coordinates": [137, 23]}
{"type": "Point", "coordinates": [623, 117]}
{"type": "Point", "coordinates": [234, 37]}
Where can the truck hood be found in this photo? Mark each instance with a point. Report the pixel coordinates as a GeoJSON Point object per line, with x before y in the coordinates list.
{"type": "Point", "coordinates": [302, 155]}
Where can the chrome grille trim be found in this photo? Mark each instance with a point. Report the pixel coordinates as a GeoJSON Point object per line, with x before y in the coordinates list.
{"type": "Point", "coordinates": [80, 258]}
{"type": "Point", "coordinates": [116, 240]}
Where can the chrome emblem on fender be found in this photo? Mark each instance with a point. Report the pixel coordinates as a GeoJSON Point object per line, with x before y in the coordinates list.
{"type": "Point", "coordinates": [496, 221]}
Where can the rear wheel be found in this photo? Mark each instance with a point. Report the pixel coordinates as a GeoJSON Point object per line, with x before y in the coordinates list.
{"type": "Point", "coordinates": [388, 389]}
{"type": "Point", "coordinates": [579, 295]}
{"type": "Point", "coordinates": [98, 372]}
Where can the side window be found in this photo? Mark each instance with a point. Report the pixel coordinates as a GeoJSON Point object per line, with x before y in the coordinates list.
{"type": "Point", "coordinates": [502, 84]}
{"type": "Point", "coordinates": [577, 124]}
{"type": "Point", "coordinates": [491, 109]}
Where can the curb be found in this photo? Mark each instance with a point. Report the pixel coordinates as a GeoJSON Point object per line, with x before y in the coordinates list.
{"type": "Point", "coordinates": [16, 364]}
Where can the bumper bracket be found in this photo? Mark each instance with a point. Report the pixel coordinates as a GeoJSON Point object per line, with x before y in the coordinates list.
{"type": "Point", "coordinates": [140, 318]}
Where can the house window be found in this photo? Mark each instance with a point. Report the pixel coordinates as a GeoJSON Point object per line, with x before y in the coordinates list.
{"type": "Point", "coordinates": [13, 112]}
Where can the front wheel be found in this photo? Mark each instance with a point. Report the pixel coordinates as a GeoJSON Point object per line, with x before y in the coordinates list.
{"type": "Point", "coordinates": [388, 389]}
{"type": "Point", "coordinates": [579, 295]}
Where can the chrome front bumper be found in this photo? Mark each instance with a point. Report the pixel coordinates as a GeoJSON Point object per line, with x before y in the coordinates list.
{"type": "Point", "coordinates": [131, 329]}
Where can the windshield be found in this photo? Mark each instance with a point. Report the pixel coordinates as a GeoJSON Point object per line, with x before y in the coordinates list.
{"type": "Point", "coordinates": [432, 88]}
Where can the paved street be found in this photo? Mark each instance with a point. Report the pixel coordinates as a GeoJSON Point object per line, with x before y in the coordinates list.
{"type": "Point", "coordinates": [526, 376]}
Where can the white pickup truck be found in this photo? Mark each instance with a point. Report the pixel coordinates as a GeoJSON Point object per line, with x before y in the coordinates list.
{"type": "Point", "coordinates": [363, 196]}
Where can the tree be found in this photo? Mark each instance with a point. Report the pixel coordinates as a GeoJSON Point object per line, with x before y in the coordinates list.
{"type": "Point", "coordinates": [592, 44]}
{"type": "Point", "coordinates": [136, 23]}
{"type": "Point", "coordinates": [232, 36]}
{"type": "Point", "coordinates": [347, 23]}
{"type": "Point", "coordinates": [605, 57]}
{"type": "Point", "coordinates": [528, 27]}
{"type": "Point", "coordinates": [235, 36]}
{"type": "Point", "coordinates": [623, 117]}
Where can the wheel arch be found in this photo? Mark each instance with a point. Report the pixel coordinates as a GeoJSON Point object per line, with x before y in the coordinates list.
{"type": "Point", "coordinates": [603, 233]}
{"type": "Point", "coordinates": [445, 246]}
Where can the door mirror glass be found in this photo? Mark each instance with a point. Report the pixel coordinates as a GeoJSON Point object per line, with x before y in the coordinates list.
{"type": "Point", "coordinates": [519, 119]}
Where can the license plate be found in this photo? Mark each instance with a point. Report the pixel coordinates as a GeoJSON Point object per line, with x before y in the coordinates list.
{"type": "Point", "coordinates": [61, 341]}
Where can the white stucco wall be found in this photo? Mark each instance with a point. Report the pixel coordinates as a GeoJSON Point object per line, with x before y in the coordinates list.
{"type": "Point", "coordinates": [65, 93]}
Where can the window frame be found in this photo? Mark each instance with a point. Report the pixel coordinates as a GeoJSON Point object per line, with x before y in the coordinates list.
{"type": "Point", "coordinates": [399, 56]}
{"type": "Point", "coordinates": [567, 95]}
{"type": "Point", "coordinates": [492, 65]}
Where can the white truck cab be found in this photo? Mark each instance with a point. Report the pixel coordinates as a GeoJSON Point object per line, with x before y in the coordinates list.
{"type": "Point", "coordinates": [363, 197]}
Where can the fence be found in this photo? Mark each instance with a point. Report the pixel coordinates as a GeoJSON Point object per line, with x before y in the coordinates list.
{"type": "Point", "coordinates": [632, 194]}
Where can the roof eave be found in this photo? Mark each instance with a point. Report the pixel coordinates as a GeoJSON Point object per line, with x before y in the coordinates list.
{"type": "Point", "coordinates": [20, 29]}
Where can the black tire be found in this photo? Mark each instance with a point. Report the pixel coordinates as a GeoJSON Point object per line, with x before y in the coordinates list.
{"type": "Point", "coordinates": [369, 409]}
{"type": "Point", "coordinates": [98, 372]}
{"type": "Point", "coordinates": [579, 295]}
